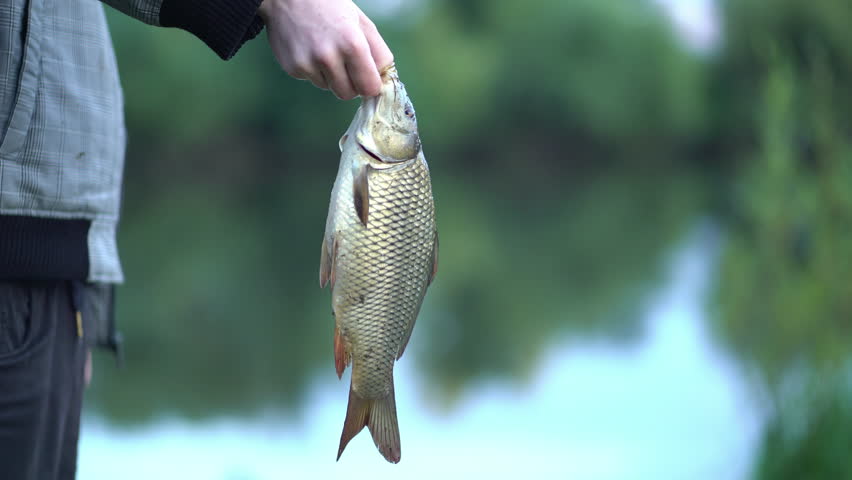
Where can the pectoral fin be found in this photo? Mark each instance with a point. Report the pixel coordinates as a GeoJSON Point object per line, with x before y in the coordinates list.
{"type": "Point", "coordinates": [361, 192]}
{"type": "Point", "coordinates": [342, 141]}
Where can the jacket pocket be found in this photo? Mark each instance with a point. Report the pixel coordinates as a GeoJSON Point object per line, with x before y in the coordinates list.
{"type": "Point", "coordinates": [21, 60]}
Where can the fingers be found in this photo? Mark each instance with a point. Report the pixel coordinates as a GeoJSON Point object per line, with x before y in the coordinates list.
{"type": "Point", "coordinates": [318, 78]}
{"type": "Point", "coordinates": [382, 56]}
{"type": "Point", "coordinates": [333, 69]}
{"type": "Point", "coordinates": [306, 70]}
{"type": "Point", "coordinates": [336, 48]}
{"type": "Point", "coordinates": [319, 81]}
{"type": "Point", "coordinates": [362, 69]}
{"type": "Point", "coordinates": [348, 71]}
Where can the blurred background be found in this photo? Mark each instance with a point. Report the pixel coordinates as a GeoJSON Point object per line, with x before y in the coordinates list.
{"type": "Point", "coordinates": [645, 211]}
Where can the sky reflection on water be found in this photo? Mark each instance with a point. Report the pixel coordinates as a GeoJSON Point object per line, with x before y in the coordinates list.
{"type": "Point", "coordinates": [670, 406]}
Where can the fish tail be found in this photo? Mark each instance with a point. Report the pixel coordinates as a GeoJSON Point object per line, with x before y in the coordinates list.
{"type": "Point", "coordinates": [384, 426]}
{"type": "Point", "coordinates": [379, 415]}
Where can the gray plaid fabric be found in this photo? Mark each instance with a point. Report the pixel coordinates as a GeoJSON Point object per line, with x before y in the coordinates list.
{"type": "Point", "coordinates": [62, 134]}
{"type": "Point", "coordinates": [146, 10]}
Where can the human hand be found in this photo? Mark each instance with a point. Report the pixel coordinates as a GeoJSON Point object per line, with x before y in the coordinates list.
{"type": "Point", "coordinates": [329, 42]}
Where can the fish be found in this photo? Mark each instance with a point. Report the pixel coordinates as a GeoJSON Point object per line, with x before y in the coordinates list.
{"type": "Point", "coordinates": [379, 256]}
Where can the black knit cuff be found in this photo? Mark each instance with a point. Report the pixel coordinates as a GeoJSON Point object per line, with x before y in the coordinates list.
{"type": "Point", "coordinates": [33, 248]}
{"type": "Point", "coordinates": [224, 25]}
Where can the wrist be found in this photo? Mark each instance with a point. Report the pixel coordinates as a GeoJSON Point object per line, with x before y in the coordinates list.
{"type": "Point", "coordinates": [264, 11]}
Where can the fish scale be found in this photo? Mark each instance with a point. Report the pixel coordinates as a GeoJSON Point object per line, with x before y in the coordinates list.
{"type": "Point", "coordinates": [399, 230]}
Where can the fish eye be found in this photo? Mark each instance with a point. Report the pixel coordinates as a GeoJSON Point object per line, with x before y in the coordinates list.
{"type": "Point", "coordinates": [408, 112]}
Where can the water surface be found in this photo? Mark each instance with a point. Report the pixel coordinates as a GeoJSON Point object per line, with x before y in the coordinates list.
{"type": "Point", "coordinates": [671, 406]}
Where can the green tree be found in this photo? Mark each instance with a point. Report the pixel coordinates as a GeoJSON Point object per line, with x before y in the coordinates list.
{"type": "Point", "coordinates": [785, 296]}
{"type": "Point", "coordinates": [556, 132]}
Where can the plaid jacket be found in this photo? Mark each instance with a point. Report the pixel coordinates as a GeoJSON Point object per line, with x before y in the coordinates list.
{"type": "Point", "coordinates": [62, 134]}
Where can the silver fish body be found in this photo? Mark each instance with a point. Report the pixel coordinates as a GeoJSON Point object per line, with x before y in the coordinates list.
{"type": "Point", "coordinates": [379, 254]}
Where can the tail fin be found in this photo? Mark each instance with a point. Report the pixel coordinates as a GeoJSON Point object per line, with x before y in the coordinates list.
{"type": "Point", "coordinates": [379, 415]}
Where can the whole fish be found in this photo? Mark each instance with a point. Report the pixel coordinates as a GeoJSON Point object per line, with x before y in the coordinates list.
{"type": "Point", "coordinates": [379, 253]}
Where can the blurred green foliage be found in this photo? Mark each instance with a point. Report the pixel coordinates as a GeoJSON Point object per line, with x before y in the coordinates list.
{"type": "Point", "coordinates": [785, 291]}
{"type": "Point", "coordinates": [811, 436]}
{"type": "Point", "coordinates": [787, 271]}
{"type": "Point", "coordinates": [570, 143]}
{"type": "Point", "coordinates": [558, 173]}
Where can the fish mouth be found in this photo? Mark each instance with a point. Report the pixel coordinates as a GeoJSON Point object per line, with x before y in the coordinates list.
{"type": "Point", "coordinates": [389, 70]}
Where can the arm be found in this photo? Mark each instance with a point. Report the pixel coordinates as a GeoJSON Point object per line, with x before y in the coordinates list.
{"type": "Point", "coordinates": [329, 42]}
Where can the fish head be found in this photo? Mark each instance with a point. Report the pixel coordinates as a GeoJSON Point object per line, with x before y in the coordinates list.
{"type": "Point", "coordinates": [388, 126]}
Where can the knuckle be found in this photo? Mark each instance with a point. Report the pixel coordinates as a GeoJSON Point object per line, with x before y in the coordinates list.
{"type": "Point", "coordinates": [297, 68]}
{"type": "Point", "coordinates": [324, 57]}
{"type": "Point", "coordinates": [350, 43]}
{"type": "Point", "coordinates": [367, 23]}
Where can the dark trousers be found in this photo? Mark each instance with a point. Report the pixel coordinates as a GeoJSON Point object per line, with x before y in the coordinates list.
{"type": "Point", "coordinates": [41, 380]}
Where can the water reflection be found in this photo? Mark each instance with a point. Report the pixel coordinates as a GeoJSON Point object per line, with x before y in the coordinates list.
{"type": "Point", "coordinates": [670, 406]}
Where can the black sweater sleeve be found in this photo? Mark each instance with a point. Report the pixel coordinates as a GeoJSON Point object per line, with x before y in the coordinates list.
{"type": "Point", "coordinates": [224, 25]}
